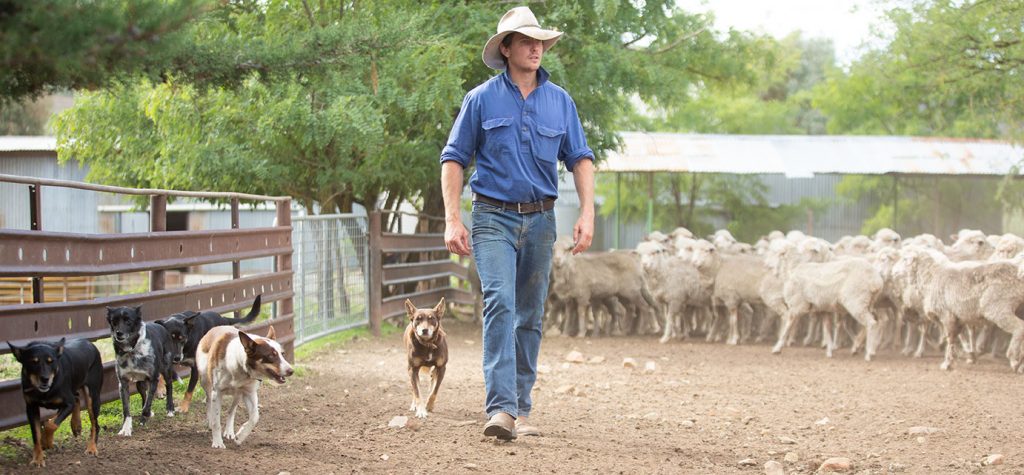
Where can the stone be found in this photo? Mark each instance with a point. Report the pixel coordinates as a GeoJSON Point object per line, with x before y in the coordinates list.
{"type": "Point", "coordinates": [994, 459]}
{"type": "Point", "coordinates": [823, 421]}
{"type": "Point", "coordinates": [398, 422]}
{"type": "Point", "coordinates": [896, 467]}
{"type": "Point", "coordinates": [747, 462]}
{"type": "Point", "coordinates": [470, 466]}
{"type": "Point", "coordinates": [575, 357]}
{"type": "Point", "coordinates": [384, 457]}
{"type": "Point", "coordinates": [772, 467]}
{"type": "Point", "coordinates": [543, 369]}
{"type": "Point", "coordinates": [787, 440]}
{"type": "Point", "coordinates": [650, 367]}
{"type": "Point", "coordinates": [688, 424]}
{"type": "Point", "coordinates": [628, 363]}
{"type": "Point", "coordinates": [922, 430]}
{"type": "Point", "coordinates": [565, 365]}
{"type": "Point", "coordinates": [651, 415]}
{"type": "Point", "coordinates": [791, 457]}
{"type": "Point", "coordinates": [596, 360]}
{"type": "Point", "coordinates": [568, 388]}
{"type": "Point", "coordinates": [921, 440]}
{"type": "Point", "coordinates": [464, 423]}
{"type": "Point", "coordinates": [836, 464]}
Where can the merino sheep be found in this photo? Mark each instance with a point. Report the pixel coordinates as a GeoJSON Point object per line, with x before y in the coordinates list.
{"type": "Point", "coordinates": [958, 293]}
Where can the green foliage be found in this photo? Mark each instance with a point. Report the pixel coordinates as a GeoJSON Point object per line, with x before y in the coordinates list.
{"type": "Point", "coordinates": [21, 118]}
{"type": "Point", "coordinates": [65, 44]}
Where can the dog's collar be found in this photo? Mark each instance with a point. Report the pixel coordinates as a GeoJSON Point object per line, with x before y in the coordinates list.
{"type": "Point", "coordinates": [431, 344]}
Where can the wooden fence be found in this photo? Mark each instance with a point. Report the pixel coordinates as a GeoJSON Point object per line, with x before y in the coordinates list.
{"type": "Point", "coordinates": [410, 266]}
{"type": "Point", "coordinates": [37, 253]}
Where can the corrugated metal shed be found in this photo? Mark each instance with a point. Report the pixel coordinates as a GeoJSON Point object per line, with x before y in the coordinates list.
{"type": "Point", "coordinates": [802, 156]}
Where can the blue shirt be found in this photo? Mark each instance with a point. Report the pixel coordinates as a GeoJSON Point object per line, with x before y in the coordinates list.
{"type": "Point", "coordinates": [517, 143]}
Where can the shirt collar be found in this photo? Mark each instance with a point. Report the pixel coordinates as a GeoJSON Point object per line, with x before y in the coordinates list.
{"type": "Point", "coordinates": [542, 77]}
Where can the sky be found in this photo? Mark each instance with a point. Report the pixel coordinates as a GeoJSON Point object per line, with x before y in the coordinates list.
{"type": "Point", "coordinates": [846, 22]}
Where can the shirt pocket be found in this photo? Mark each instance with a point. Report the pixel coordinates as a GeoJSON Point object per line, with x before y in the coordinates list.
{"type": "Point", "coordinates": [498, 138]}
{"type": "Point", "coordinates": [548, 143]}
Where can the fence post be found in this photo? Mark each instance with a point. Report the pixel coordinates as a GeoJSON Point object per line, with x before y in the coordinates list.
{"type": "Point", "coordinates": [284, 264]}
{"type": "Point", "coordinates": [35, 211]}
{"type": "Point", "coordinates": [376, 273]}
{"type": "Point", "coordinates": [157, 223]}
{"type": "Point", "coordinates": [236, 266]}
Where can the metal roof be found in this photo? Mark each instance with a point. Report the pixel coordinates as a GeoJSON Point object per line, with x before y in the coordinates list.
{"type": "Point", "coordinates": [27, 143]}
{"type": "Point", "coordinates": [801, 156]}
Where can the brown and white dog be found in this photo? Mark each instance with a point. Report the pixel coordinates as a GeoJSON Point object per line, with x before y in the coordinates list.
{"type": "Point", "coordinates": [427, 348]}
{"type": "Point", "coordinates": [233, 363]}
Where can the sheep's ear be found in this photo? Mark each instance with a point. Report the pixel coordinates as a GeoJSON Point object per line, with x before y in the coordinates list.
{"type": "Point", "coordinates": [439, 309]}
{"type": "Point", "coordinates": [410, 309]}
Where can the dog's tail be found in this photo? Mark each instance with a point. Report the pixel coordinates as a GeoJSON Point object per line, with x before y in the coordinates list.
{"type": "Point", "coordinates": [253, 313]}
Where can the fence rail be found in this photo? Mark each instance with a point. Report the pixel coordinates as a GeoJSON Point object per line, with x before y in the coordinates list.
{"type": "Point", "coordinates": [419, 268]}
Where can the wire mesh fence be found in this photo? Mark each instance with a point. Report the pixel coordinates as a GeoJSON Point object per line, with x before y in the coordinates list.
{"type": "Point", "coordinates": [330, 274]}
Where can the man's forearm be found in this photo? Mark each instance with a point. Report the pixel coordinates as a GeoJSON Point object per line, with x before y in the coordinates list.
{"type": "Point", "coordinates": [583, 177]}
{"type": "Point", "coordinates": [451, 190]}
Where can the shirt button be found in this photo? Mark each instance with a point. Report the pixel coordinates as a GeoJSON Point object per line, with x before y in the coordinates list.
{"type": "Point", "coordinates": [524, 129]}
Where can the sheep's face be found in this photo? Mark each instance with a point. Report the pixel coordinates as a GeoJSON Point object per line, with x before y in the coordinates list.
{"type": "Point", "coordinates": [973, 245]}
{"type": "Point", "coordinates": [650, 254]}
{"type": "Point", "coordinates": [703, 254]}
{"type": "Point", "coordinates": [904, 266]}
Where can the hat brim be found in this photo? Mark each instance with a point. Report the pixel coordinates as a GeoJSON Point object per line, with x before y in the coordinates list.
{"type": "Point", "coordinates": [492, 51]}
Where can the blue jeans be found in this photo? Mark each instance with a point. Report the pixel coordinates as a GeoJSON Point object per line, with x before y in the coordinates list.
{"type": "Point", "coordinates": [513, 258]}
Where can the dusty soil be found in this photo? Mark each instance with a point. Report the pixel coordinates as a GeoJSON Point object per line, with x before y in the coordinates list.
{"type": "Point", "coordinates": [704, 409]}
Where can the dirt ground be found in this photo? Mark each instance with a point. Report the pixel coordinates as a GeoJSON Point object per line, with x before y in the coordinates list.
{"type": "Point", "coordinates": [704, 409]}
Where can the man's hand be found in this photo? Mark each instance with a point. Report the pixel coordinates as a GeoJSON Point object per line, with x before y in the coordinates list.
{"type": "Point", "coordinates": [583, 233]}
{"type": "Point", "coordinates": [456, 238]}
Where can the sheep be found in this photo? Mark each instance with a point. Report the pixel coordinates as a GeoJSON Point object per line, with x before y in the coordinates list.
{"type": "Point", "coordinates": [599, 276]}
{"type": "Point", "coordinates": [737, 282]}
{"type": "Point", "coordinates": [1007, 247]}
{"type": "Point", "coordinates": [677, 286]}
{"type": "Point", "coordinates": [958, 293]}
{"type": "Point", "coordinates": [852, 285]}
{"type": "Point", "coordinates": [970, 245]}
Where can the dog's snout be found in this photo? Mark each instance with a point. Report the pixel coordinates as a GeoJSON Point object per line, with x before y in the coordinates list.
{"type": "Point", "coordinates": [119, 334]}
{"type": "Point", "coordinates": [425, 331]}
{"type": "Point", "coordinates": [289, 372]}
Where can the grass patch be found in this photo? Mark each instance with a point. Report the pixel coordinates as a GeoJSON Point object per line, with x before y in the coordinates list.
{"type": "Point", "coordinates": [338, 340]}
{"type": "Point", "coordinates": [110, 418]}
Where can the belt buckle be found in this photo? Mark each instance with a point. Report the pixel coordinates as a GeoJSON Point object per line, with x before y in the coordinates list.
{"type": "Point", "coordinates": [519, 208]}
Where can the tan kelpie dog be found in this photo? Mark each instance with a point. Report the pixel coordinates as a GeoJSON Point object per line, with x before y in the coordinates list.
{"type": "Point", "coordinates": [427, 348]}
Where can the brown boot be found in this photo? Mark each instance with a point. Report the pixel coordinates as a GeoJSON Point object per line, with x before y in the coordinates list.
{"type": "Point", "coordinates": [502, 426]}
{"type": "Point", "coordinates": [524, 428]}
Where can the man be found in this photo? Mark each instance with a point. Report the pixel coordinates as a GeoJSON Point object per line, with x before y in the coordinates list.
{"type": "Point", "coordinates": [518, 125]}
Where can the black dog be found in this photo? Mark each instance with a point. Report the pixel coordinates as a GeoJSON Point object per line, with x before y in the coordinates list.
{"type": "Point", "coordinates": [186, 329]}
{"type": "Point", "coordinates": [143, 355]}
{"type": "Point", "coordinates": [52, 374]}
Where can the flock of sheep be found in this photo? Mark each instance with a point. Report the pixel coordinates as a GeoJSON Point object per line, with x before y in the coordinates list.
{"type": "Point", "coordinates": [863, 292]}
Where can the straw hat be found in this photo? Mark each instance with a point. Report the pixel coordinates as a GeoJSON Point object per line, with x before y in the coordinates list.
{"type": "Point", "coordinates": [517, 20]}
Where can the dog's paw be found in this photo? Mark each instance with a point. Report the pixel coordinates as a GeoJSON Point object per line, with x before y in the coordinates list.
{"type": "Point", "coordinates": [412, 406]}
{"type": "Point", "coordinates": [218, 444]}
{"type": "Point", "coordinates": [38, 461]}
{"type": "Point", "coordinates": [229, 434]}
{"type": "Point", "coordinates": [126, 428]}
{"type": "Point", "coordinates": [143, 419]}
{"type": "Point", "coordinates": [421, 412]}
{"type": "Point", "coordinates": [170, 413]}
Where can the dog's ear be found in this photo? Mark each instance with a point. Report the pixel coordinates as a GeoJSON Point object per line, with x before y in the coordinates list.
{"type": "Point", "coordinates": [190, 319]}
{"type": "Point", "coordinates": [410, 308]}
{"type": "Point", "coordinates": [246, 340]}
{"type": "Point", "coordinates": [270, 333]}
{"type": "Point", "coordinates": [138, 309]}
{"type": "Point", "coordinates": [15, 351]}
{"type": "Point", "coordinates": [439, 309]}
{"type": "Point", "coordinates": [161, 322]}
{"type": "Point", "coordinates": [60, 346]}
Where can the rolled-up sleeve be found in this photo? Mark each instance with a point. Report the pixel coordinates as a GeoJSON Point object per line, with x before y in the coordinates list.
{"type": "Point", "coordinates": [574, 147]}
{"type": "Point", "coordinates": [462, 140]}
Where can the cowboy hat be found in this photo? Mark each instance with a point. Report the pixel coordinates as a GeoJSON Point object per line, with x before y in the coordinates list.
{"type": "Point", "coordinates": [516, 20]}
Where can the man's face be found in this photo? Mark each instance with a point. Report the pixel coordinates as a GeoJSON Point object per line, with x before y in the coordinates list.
{"type": "Point", "coordinates": [523, 53]}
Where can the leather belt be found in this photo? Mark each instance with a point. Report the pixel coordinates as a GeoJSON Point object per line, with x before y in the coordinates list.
{"type": "Point", "coordinates": [521, 208]}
